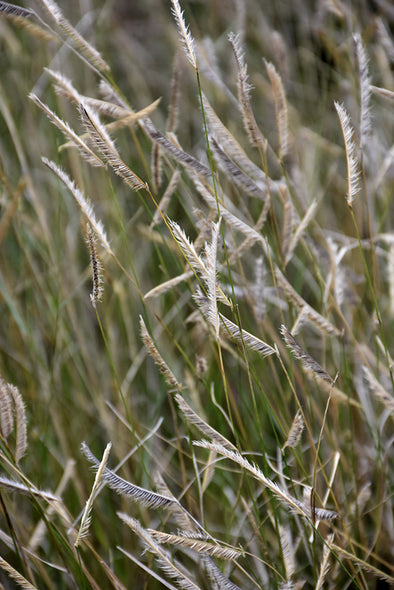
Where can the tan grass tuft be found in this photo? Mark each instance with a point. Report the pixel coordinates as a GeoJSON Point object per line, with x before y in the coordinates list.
{"type": "Point", "coordinates": [378, 390]}
{"type": "Point", "coordinates": [12, 410]}
{"type": "Point", "coordinates": [95, 265]}
{"type": "Point", "coordinates": [106, 147]}
{"type": "Point", "coordinates": [15, 575]}
{"type": "Point", "coordinates": [255, 136]}
{"type": "Point", "coordinates": [169, 377]}
{"type": "Point", "coordinates": [187, 39]}
{"type": "Point", "coordinates": [165, 200]}
{"type": "Point", "coordinates": [7, 9]}
{"type": "Point", "coordinates": [280, 109]}
{"type": "Point", "coordinates": [367, 567]}
{"type": "Point", "coordinates": [211, 255]}
{"type": "Point", "coordinates": [307, 361]}
{"type": "Point", "coordinates": [216, 576]}
{"type": "Point", "coordinates": [87, 50]}
{"type": "Point", "coordinates": [178, 154]}
{"type": "Point", "coordinates": [299, 232]}
{"type": "Point", "coordinates": [87, 513]}
{"type": "Point", "coordinates": [69, 133]}
{"type": "Point", "coordinates": [302, 305]}
{"type": "Point", "coordinates": [295, 505]}
{"type": "Point", "coordinates": [165, 561]}
{"type": "Point", "coordinates": [288, 224]}
{"type": "Point", "coordinates": [295, 432]}
{"type": "Point", "coordinates": [365, 90]}
{"type": "Point", "coordinates": [197, 544]}
{"type": "Point", "coordinates": [20, 488]}
{"type": "Point", "coordinates": [231, 169]}
{"type": "Point", "coordinates": [84, 204]}
{"type": "Point", "coordinates": [20, 422]}
{"type": "Point", "coordinates": [234, 151]}
{"type": "Point", "coordinates": [126, 488]}
{"type": "Point", "coordinates": [325, 563]}
{"type": "Point", "coordinates": [183, 519]}
{"type": "Point", "coordinates": [287, 550]}
{"type": "Point", "coordinates": [202, 425]}
{"type": "Point", "coordinates": [353, 170]}
{"type": "Point", "coordinates": [64, 86]}
{"type": "Point", "coordinates": [6, 416]}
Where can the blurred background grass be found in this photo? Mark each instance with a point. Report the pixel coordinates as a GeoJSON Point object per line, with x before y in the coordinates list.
{"type": "Point", "coordinates": [51, 346]}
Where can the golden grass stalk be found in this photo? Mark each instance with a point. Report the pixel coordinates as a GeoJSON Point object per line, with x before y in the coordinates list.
{"type": "Point", "coordinates": [19, 579]}
{"type": "Point", "coordinates": [353, 170]}
{"type": "Point", "coordinates": [280, 109]}
{"type": "Point", "coordinates": [365, 90]}
{"type": "Point", "coordinates": [193, 418]}
{"type": "Point", "coordinates": [85, 151]}
{"type": "Point", "coordinates": [289, 501]}
{"type": "Point", "coordinates": [126, 488]}
{"type": "Point", "coordinates": [255, 136]}
{"type": "Point", "coordinates": [95, 265]}
{"type": "Point", "coordinates": [87, 513]}
{"type": "Point", "coordinates": [300, 353]}
{"type": "Point", "coordinates": [169, 377]}
{"type": "Point", "coordinates": [295, 432]}
{"type": "Point", "coordinates": [164, 559]}
{"type": "Point", "coordinates": [200, 545]}
{"type": "Point", "coordinates": [186, 37]}
{"type": "Point", "coordinates": [87, 50]}
{"type": "Point", "coordinates": [84, 204]}
{"type": "Point", "coordinates": [106, 147]}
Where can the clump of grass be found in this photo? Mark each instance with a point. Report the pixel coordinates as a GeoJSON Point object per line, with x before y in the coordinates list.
{"type": "Point", "coordinates": [239, 358]}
